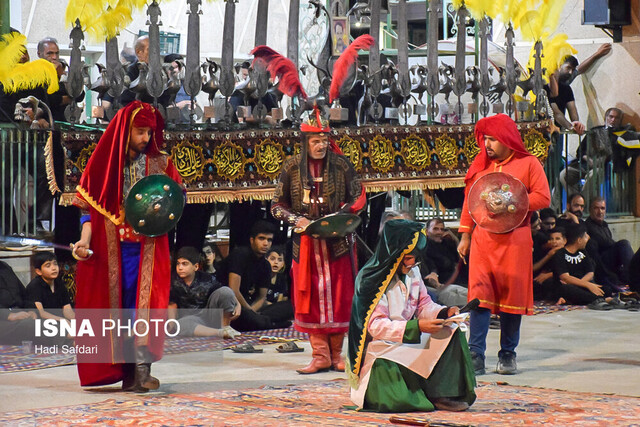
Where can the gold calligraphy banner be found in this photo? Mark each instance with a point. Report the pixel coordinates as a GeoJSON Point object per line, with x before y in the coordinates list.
{"type": "Point", "coordinates": [245, 165]}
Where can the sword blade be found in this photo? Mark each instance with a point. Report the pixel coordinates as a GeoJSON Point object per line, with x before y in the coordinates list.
{"type": "Point", "coordinates": [25, 241]}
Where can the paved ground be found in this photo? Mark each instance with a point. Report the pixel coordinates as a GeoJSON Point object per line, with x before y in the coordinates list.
{"type": "Point", "coordinates": [583, 350]}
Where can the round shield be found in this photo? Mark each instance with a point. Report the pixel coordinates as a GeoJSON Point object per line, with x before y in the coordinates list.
{"type": "Point", "coordinates": [334, 225]}
{"type": "Point", "coordinates": [498, 202]}
{"type": "Point", "coordinates": [154, 205]}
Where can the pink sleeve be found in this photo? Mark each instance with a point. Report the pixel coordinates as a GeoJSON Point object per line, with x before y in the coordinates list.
{"type": "Point", "coordinates": [381, 327]}
{"type": "Point", "coordinates": [427, 309]}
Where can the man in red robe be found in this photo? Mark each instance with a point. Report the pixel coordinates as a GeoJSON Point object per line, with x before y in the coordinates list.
{"type": "Point", "coordinates": [317, 182]}
{"type": "Point", "coordinates": [127, 270]}
{"type": "Point", "coordinates": [501, 265]}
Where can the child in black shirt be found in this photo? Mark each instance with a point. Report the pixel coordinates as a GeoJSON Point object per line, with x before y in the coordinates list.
{"type": "Point", "coordinates": [49, 295]}
{"type": "Point", "coordinates": [573, 272]}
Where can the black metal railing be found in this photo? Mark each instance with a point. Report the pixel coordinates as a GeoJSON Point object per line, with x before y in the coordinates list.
{"type": "Point", "coordinates": [26, 200]}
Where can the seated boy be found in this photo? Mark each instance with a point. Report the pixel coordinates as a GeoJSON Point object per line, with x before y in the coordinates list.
{"type": "Point", "coordinates": [50, 296]}
{"type": "Point", "coordinates": [202, 294]}
{"type": "Point", "coordinates": [403, 356]}
{"type": "Point", "coordinates": [573, 272]}
{"type": "Point", "coordinates": [543, 285]}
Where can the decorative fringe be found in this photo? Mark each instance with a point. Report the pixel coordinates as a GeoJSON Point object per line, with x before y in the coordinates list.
{"type": "Point", "coordinates": [281, 67]}
{"type": "Point", "coordinates": [48, 161]}
{"type": "Point", "coordinates": [345, 61]}
{"type": "Point", "coordinates": [414, 184]}
{"type": "Point", "coordinates": [12, 48]}
{"type": "Point", "coordinates": [31, 75]}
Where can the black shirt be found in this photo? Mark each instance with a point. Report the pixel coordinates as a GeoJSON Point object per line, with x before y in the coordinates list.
{"type": "Point", "coordinates": [576, 264]}
{"type": "Point", "coordinates": [255, 272]}
{"type": "Point", "coordinates": [444, 255]}
{"type": "Point", "coordinates": [13, 295]}
{"type": "Point", "coordinates": [280, 287]}
{"type": "Point", "coordinates": [39, 291]}
{"type": "Point", "coordinates": [197, 294]}
{"type": "Point", "coordinates": [600, 234]}
{"type": "Point", "coordinates": [565, 96]}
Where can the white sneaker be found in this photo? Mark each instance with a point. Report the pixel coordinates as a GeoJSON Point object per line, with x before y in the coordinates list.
{"type": "Point", "coordinates": [232, 333]}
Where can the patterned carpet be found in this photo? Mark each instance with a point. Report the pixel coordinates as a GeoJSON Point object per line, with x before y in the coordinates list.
{"type": "Point", "coordinates": [546, 308]}
{"type": "Point", "coordinates": [328, 404]}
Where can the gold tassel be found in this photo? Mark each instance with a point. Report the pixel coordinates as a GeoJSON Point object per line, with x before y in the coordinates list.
{"type": "Point", "coordinates": [48, 161]}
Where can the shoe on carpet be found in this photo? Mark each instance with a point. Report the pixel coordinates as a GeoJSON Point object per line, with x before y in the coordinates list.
{"type": "Point", "coordinates": [450, 404]}
{"type": "Point", "coordinates": [245, 348]}
{"type": "Point", "coordinates": [289, 347]}
{"type": "Point", "coordinates": [600, 304]}
{"type": "Point", "coordinates": [478, 364]}
{"type": "Point", "coordinates": [507, 365]}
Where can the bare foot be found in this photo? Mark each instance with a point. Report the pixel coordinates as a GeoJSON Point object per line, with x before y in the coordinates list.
{"type": "Point", "coordinates": [561, 301]}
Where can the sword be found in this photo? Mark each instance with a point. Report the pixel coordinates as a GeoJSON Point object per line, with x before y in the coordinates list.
{"type": "Point", "coordinates": [25, 241]}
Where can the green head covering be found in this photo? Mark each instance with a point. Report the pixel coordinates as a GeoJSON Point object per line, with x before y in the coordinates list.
{"type": "Point", "coordinates": [399, 238]}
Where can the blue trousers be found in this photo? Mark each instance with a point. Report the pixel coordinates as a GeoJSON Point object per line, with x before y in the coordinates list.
{"type": "Point", "coordinates": [509, 332]}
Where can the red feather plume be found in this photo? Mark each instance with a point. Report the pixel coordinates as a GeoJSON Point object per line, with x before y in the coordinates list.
{"type": "Point", "coordinates": [281, 67]}
{"type": "Point", "coordinates": [345, 61]}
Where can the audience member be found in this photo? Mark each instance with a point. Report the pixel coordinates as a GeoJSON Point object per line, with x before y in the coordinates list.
{"type": "Point", "coordinates": [614, 255]}
{"type": "Point", "coordinates": [277, 304]}
{"type": "Point", "coordinates": [199, 301]}
{"type": "Point", "coordinates": [442, 249]}
{"type": "Point", "coordinates": [50, 296]}
{"type": "Point", "coordinates": [58, 101]}
{"type": "Point", "coordinates": [543, 285]}
{"type": "Point", "coordinates": [248, 274]}
{"type": "Point", "coordinates": [17, 315]}
{"type": "Point", "coordinates": [210, 263]}
{"type": "Point", "coordinates": [573, 273]}
{"type": "Point", "coordinates": [547, 220]}
{"type": "Point", "coordinates": [574, 212]}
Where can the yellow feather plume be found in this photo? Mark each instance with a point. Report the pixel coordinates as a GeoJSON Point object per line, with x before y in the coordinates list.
{"type": "Point", "coordinates": [543, 18]}
{"type": "Point", "coordinates": [110, 23]}
{"type": "Point", "coordinates": [12, 48]}
{"type": "Point", "coordinates": [479, 8]}
{"type": "Point", "coordinates": [31, 75]}
{"type": "Point", "coordinates": [84, 10]}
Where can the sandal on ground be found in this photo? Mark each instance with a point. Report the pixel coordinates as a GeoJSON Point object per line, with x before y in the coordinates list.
{"type": "Point", "coordinates": [617, 303]}
{"type": "Point", "coordinates": [600, 304]}
{"type": "Point", "coordinates": [289, 347]}
{"type": "Point", "coordinates": [245, 348]}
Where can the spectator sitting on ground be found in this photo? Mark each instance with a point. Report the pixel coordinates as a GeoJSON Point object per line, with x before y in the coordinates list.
{"type": "Point", "coordinates": [573, 273]}
{"type": "Point", "coordinates": [248, 274]}
{"type": "Point", "coordinates": [209, 262]}
{"type": "Point", "coordinates": [574, 212]}
{"type": "Point", "coordinates": [204, 297]}
{"type": "Point", "coordinates": [543, 286]}
{"type": "Point", "coordinates": [547, 220]}
{"type": "Point", "coordinates": [17, 317]}
{"type": "Point", "coordinates": [50, 296]}
{"type": "Point", "coordinates": [277, 305]}
{"type": "Point", "coordinates": [442, 246]}
{"type": "Point", "coordinates": [614, 255]}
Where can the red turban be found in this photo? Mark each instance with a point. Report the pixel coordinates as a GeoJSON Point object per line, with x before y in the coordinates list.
{"type": "Point", "coordinates": [504, 129]}
{"type": "Point", "coordinates": [102, 179]}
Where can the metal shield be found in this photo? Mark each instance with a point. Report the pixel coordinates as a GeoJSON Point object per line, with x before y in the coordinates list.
{"type": "Point", "coordinates": [334, 225]}
{"type": "Point", "coordinates": [154, 205]}
{"type": "Point", "coordinates": [498, 202]}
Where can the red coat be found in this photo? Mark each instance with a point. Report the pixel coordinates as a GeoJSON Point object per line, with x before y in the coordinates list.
{"type": "Point", "coordinates": [501, 265]}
